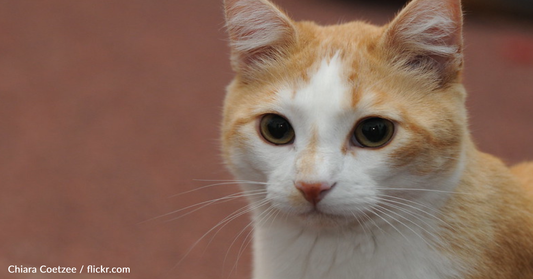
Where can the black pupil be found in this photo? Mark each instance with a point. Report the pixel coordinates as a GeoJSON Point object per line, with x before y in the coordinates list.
{"type": "Point", "coordinates": [374, 130]}
{"type": "Point", "coordinates": [278, 127]}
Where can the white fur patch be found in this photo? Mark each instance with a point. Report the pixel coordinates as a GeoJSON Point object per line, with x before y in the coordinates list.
{"type": "Point", "coordinates": [316, 110]}
{"type": "Point", "coordinates": [284, 250]}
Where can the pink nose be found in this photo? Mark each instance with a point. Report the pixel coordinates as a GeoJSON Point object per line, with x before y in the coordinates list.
{"type": "Point", "coordinates": [313, 192]}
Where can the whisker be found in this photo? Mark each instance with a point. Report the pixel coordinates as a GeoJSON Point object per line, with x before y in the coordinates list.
{"type": "Point", "coordinates": [411, 213]}
{"type": "Point", "coordinates": [211, 202]}
{"type": "Point", "coordinates": [230, 180]}
{"type": "Point", "coordinates": [205, 204]}
{"type": "Point", "coordinates": [403, 202]}
{"type": "Point", "coordinates": [220, 183]}
{"type": "Point", "coordinates": [360, 224]}
{"type": "Point", "coordinates": [389, 223]}
{"type": "Point", "coordinates": [425, 190]}
{"type": "Point", "coordinates": [408, 227]}
{"type": "Point", "coordinates": [238, 213]}
{"type": "Point", "coordinates": [258, 205]}
{"type": "Point", "coordinates": [451, 225]}
{"type": "Point", "coordinates": [222, 223]}
{"type": "Point", "coordinates": [263, 217]}
{"type": "Point", "coordinates": [248, 239]}
{"type": "Point", "coordinates": [367, 217]}
{"type": "Point", "coordinates": [411, 201]}
{"type": "Point", "coordinates": [428, 212]}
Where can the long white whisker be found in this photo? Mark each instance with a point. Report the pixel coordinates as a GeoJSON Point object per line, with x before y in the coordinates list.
{"type": "Point", "coordinates": [372, 220]}
{"type": "Point", "coordinates": [411, 213]}
{"type": "Point", "coordinates": [220, 183]}
{"type": "Point", "coordinates": [211, 202]}
{"type": "Point", "coordinates": [230, 180]}
{"type": "Point", "coordinates": [225, 221]}
{"type": "Point", "coordinates": [425, 190]}
{"type": "Point", "coordinates": [250, 208]}
{"type": "Point", "coordinates": [411, 201]}
{"type": "Point", "coordinates": [200, 205]}
{"type": "Point", "coordinates": [403, 202]}
{"type": "Point", "coordinates": [400, 206]}
{"type": "Point", "coordinates": [265, 215]}
{"type": "Point", "coordinates": [405, 225]}
{"type": "Point", "coordinates": [359, 221]}
{"type": "Point", "coordinates": [428, 212]}
{"type": "Point", "coordinates": [236, 214]}
{"type": "Point", "coordinates": [248, 239]}
{"type": "Point", "coordinates": [389, 223]}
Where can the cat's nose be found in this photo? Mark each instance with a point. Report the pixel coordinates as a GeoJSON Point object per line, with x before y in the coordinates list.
{"type": "Point", "coordinates": [313, 192]}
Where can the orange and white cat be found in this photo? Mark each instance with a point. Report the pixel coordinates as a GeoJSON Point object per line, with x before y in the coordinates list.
{"type": "Point", "coordinates": [352, 144]}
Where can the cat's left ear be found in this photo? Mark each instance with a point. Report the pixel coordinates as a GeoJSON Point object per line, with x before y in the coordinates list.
{"type": "Point", "coordinates": [259, 32]}
{"type": "Point", "coordinates": [426, 36]}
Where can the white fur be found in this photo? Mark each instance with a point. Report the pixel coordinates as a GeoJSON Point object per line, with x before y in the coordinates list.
{"type": "Point", "coordinates": [283, 250]}
{"type": "Point", "coordinates": [290, 241]}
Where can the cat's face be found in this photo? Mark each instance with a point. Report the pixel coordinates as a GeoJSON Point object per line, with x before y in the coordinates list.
{"type": "Point", "coordinates": [342, 123]}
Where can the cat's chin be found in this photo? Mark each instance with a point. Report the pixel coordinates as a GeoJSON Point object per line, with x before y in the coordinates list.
{"type": "Point", "coordinates": [322, 220]}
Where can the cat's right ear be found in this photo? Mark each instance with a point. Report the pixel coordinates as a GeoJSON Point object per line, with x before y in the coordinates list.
{"type": "Point", "coordinates": [259, 33]}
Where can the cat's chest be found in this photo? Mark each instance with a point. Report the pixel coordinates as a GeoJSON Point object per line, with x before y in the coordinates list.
{"type": "Point", "coordinates": [282, 253]}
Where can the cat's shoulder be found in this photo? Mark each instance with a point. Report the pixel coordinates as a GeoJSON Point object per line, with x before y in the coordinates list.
{"type": "Point", "coordinates": [524, 173]}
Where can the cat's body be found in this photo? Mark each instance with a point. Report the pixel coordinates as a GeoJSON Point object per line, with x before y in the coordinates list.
{"type": "Point", "coordinates": [360, 134]}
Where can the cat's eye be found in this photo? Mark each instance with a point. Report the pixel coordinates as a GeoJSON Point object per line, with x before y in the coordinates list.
{"type": "Point", "coordinates": [373, 132]}
{"type": "Point", "coordinates": [276, 129]}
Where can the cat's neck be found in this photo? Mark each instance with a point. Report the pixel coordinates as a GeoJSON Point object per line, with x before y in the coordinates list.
{"type": "Point", "coordinates": [286, 250]}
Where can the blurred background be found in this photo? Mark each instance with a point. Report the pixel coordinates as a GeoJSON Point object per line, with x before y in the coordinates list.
{"type": "Point", "coordinates": [109, 115]}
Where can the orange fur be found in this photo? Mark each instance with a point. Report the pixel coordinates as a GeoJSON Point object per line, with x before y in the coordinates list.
{"type": "Point", "coordinates": [524, 174]}
{"type": "Point", "coordinates": [307, 162]}
{"type": "Point", "coordinates": [491, 221]}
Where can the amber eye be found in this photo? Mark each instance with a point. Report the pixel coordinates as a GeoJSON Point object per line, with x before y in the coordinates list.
{"type": "Point", "coordinates": [276, 129]}
{"type": "Point", "coordinates": [373, 132]}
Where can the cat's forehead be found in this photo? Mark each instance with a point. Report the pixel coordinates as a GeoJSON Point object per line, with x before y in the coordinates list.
{"type": "Point", "coordinates": [348, 36]}
{"type": "Point", "coordinates": [325, 87]}
{"type": "Point", "coordinates": [334, 70]}
{"type": "Point", "coordinates": [333, 88]}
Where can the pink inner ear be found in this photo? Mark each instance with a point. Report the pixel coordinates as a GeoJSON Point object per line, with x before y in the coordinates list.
{"type": "Point", "coordinates": [451, 33]}
{"type": "Point", "coordinates": [429, 25]}
{"type": "Point", "coordinates": [239, 16]}
{"type": "Point", "coordinates": [427, 34]}
{"type": "Point", "coordinates": [259, 32]}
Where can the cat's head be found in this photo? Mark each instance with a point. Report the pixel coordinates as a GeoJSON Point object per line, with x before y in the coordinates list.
{"type": "Point", "coordinates": [342, 120]}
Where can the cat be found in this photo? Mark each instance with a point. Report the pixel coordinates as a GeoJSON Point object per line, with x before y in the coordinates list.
{"type": "Point", "coordinates": [351, 142]}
